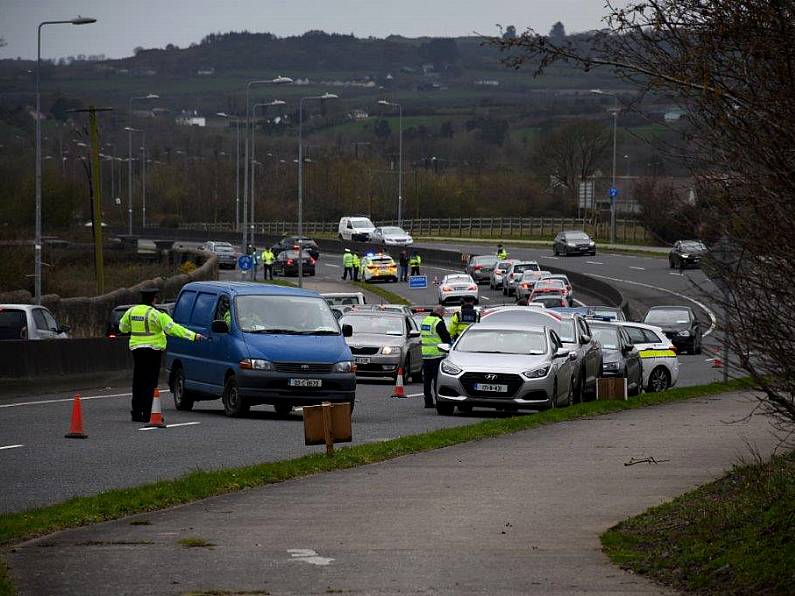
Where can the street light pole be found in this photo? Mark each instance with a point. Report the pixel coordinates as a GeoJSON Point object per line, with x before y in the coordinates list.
{"type": "Point", "coordinates": [384, 102]}
{"type": "Point", "coordinates": [237, 167]}
{"type": "Point", "coordinates": [37, 243]}
{"type": "Point", "coordinates": [614, 111]}
{"type": "Point", "coordinates": [143, 180]}
{"type": "Point", "coordinates": [130, 130]}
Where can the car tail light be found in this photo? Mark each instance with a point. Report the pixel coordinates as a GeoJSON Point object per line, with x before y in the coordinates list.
{"type": "Point", "coordinates": [446, 289]}
{"type": "Point", "coordinates": [289, 261]}
{"type": "Point", "coordinates": [478, 267]}
{"type": "Point", "coordinates": [472, 287]}
{"type": "Point", "coordinates": [311, 260]}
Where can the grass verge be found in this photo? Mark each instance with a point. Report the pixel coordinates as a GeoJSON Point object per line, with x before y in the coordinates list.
{"type": "Point", "coordinates": [732, 536]}
{"type": "Point", "coordinates": [114, 504]}
{"type": "Point", "coordinates": [378, 290]}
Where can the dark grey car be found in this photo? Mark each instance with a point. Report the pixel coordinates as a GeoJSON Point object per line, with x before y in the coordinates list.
{"type": "Point", "coordinates": [573, 242]}
{"type": "Point", "coordinates": [383, 342]}
{"type": "Point", "coordinates": [480, 267]}
{"type": "Point", "coordinates": [620, 358]}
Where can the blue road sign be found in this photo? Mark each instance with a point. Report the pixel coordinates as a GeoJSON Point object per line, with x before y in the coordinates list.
{"type": "Point", "coordinates": [613, 192]}
{"type": "Point", "coordinates": [244, 262]}
{"type": "Point", "coordinates": [418, 282]}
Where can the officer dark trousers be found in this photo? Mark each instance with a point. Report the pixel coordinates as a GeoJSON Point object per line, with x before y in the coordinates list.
{"type": "Point", "coordinates": [146, 374]}
{"type": "Point", "coordinates": [430, 371]}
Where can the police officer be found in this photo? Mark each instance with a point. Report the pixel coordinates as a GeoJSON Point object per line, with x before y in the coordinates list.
{"type": "Point", "coordinates": [502, 254]}
{"type": "Point", "coordinates": [404, 265]}
{"type": "Point", "coordinates": [463, 318]}
{"type": "Point", "coordinates": [148, 327]}
{"type": "Point", "coordinates": [414, 262]}
{"type": "Point", "coordinates": [347, 264]}
{"type": "Point", "coordinates": [432, 333]}
{"type": "Point", "coordinates": [267, 263]}
{"type": "Point", "coordinates": [357, 263]}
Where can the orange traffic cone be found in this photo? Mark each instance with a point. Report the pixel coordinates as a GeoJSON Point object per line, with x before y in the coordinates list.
{"type": "Point", "coordinates": [399, 390]}
{"type": "Point", "coordinates": [76, 426]}
{"type": "Point", "coordinates": [717, 363]}
{"type": "Point", "coordinates": [156, 419]}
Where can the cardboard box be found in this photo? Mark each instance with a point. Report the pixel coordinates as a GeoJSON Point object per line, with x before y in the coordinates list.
{"type": "Point", "coordinates": [611, 389]}
{"type": "Point", "coordinates": [327, 424]}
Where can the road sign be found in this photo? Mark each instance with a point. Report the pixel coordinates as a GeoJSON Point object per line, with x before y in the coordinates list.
{"type": "Point", "coordinates": [613, 192]}
{"type": "Point", "coordinates": [244, 262]}
{"type": "Point", "coordinates": [418, 282]}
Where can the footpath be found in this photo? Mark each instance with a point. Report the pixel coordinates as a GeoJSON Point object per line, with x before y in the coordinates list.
{"type": "Point", "coordinates": [518, 514]}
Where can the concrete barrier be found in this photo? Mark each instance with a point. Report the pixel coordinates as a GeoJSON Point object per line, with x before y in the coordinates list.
{"type": "Point", "coordinates": [46, 359]}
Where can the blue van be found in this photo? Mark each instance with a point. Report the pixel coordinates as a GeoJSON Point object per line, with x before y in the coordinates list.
{"type": "Point", "coordinates": [265, 345]}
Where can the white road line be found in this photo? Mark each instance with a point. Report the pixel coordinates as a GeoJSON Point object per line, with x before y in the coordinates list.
{"type": "Point", "coordinates": [676, 274]}
{"type": "Point", "coordinates": [170, 425]}
{"type": "Point", "coordinates": [594, 263]}
{"type": "Point", "coordinates": [330, 265]}
{"type": "Point", "coordinates": [10, 447]}
{"type": "Point", "coordinates": [548, 257]}
{"type": "Point", "coordinates": [701, 305]}
{"type": "Point", "coordinates": [638, 268]}
{"type": "Point", "coordinates": [415, 395]}
{"type": "Point", "coordinates": [69, 399]}
{"type": "Point", "coordinates": [485, 298]}
{"type": "Point", "coordinates": [579, 303]}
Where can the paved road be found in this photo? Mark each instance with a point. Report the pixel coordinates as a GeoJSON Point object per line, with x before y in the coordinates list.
{"type": "Point", "coordinates": [519, 514]}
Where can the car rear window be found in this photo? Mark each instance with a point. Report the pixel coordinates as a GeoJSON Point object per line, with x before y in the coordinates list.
{"type": "Point", "coordinates": [382, 261]}
{"type": "Point", "coordinates": [526, 267]}
{"type": "Point", "coordinates": [12, 322]}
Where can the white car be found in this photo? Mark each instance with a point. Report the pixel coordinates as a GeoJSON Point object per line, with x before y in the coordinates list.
{"type": "Point", "coordinates": [343, 298]}
{"type": "Point", "coordinates": [658, 358]}
{"type": "Point", "coordinates": [391, 236]}
{"type": "Point", "coordinates": [28, 321]}
{"type": "Point", "coordinates": [456, 286]}
{"type": "Point", "coordinates": [357, 228]}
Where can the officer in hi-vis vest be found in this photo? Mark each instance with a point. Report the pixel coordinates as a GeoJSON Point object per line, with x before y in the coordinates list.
{"type": "Point", "coordinates": [148, 327]}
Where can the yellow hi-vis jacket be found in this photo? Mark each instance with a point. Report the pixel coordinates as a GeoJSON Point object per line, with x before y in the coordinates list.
{"type": "Point", "coordinates": [415, 261]}
{"type": "Point", "coordinates": [347, 260]}
{"type": "Point", "coordinates": [148, 327]}
{"type": "Point", "coordinates": [357, 261]}
{"type": "Point", "coordinates": [267, 256]}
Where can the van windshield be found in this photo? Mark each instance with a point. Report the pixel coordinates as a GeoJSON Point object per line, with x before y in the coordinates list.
{"type": "Point", "coordinates": [292, 315]}
{"type": "Point", "coordinates": [362, 222]}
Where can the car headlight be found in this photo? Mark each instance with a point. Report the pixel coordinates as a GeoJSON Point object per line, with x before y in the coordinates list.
{"type": "Point", "coordinates": [449, 369]}
{"type": "Point", "coordinates": [538, 373]}
{"type": "Point", "coordinates": [256, 364]}
{"type": "Point", "coordinates": [386, 350]}
{"type": "Point", "coordinates": [345, 366]}
{"type": "Point", "coordinates": [611, 366]}
{"type": "Point", "coordinates": [684, 333]}
{"type": "Point", "coordinates": [685, 256]}
{"type": "Point", "coordinates": [592, 243]}
{"type": "Point", "coordinates": [570, 244]}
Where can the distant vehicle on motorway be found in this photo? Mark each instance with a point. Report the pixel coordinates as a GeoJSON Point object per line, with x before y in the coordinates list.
{"type": "Point", "coordinates": [287, 263]}
{"type": "Point", "coordinates": [29, 321]}
{"type": "Point", "coordinates": [358, 228]}
{"type": "Point", "coordinates": [687, 253]}
{"type": "Point", "coordinates": [609, 313]}
{"type": "Point", "coordinates": [341, 298]}
{"type": "Point", "coordinates": [378, 267]}
{"type": "Point", "coordinates": [551, 287]}
{"type": "Point", "coordinates": [551, 301]}
{"type": "Point", "coordinates": [527, 283]}
{"type": "Point", "coordinates": [680, 325]}
{"type": "Point", "coordinates": [224, 251]}
{"type": "Point", "coordinates": [404, 309]}
{"type": "Point", "coordinates": [495, 281]}
{"type": "Point", "coordinates": [455, 287]}
{"type": "Point", "coordinates": [391, 236]}
{"type": "Point", "coordinates": [565, 279]}
{"type": "Point", "coordinates": [383, 342]}
{"type": "Point", "coordinates": [620, 358]}
{"type": "Point", "coordinates": [514, 273]}
{"type": "Point", "coordinates": [117, 313]}
{"type": "Point", "coordinates": [573, 242]}
{"type": "Point", "coordinates": [522, 367]}
{"type": "Point", "coordinates": [267, 345]}
{"type": "Point", "coordinates": [657, 355]}
{"type": "Point", "coordinates": [480, 267]}
{"type": "Point", "coordinates": [291, 243]}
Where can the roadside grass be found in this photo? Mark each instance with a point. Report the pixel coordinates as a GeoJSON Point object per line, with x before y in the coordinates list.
{"type": "Point", "coordinates": [194, 542]}
{"type": "Point", "coordinates": [732, 536]}
{"type": "Point", "coordinates": [389, 296]}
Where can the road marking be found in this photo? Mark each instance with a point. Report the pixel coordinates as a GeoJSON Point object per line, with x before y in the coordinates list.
{"type": "Point", "coordinates": [170, 425]}
{"type": "Point", "coordinates": [676, 274]}
{"type": "Point", "coordinates": [330, 265]}
{"type": "Point", "coordinates": [638, 268]}
{"type": "Point", "coordinates": [485, 298]}
{"type": "Point", "coordinates": [307, 555]}
{"type": "Point", "coordinates": [701, 305]}
{"type": "Point", "coordinates": [548, 257]}
{"type": "Point", "coordinates": [69, 399]}
{"type": "Point", "coordinates": [594, 263]}
{"type": "Point", "coordinates": [10, 447]}
{"type": "Point", "coordinates": [415, 395]}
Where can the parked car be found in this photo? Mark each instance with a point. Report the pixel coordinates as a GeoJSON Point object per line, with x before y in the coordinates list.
{"type": "Point", "coordinates": [287, 262]}
{"type": "Point", "coordinates": [384, 342]}
{"type": "Point", "coordinates": [357, 228]}
{"type": "Point", "coordinates": [29, 321]}
{"type": "Point", "coordinates": [522, 367]}
{"type": "Point", "coordinates": [391, 236]}
{"type": "Point", "coordinates": [378, 267]}
{"type": "Point", "coordinates": [573, 242]}
{"type": "Point", "coordinates": [283, 347]}
{"type": "Point", "coordinates": [495, 281]}
{"type": "Point", "coordinates": [657, 356]}
{"type": "Point", "coordinates": [112, 329]}
{"type": "Point", "coordinates": [480, 267]}
{"type": "Point", "coordinates": [576, 336]}
{"type": "Point", "coordinates": [680, 325]}
{"type": "Point", "coordinates": [514, 273]}
{"type": "Point", "coordinates": [341, 298]}
{"type": "Point", "coordinates": [455, 287]}
{"type": "Point", "coordinates": [687, 253]}
{"type": "Point", "coordinates": [291, 243]}
{"type": "Point", "coordinates": [620, 358]}
{"type": "Point", "coordinates": [224, 251]}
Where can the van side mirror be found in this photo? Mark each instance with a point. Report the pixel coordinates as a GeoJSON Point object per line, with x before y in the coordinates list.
{"type": "Point", "coordinates": [347, 330]}
{"type": "Point", "coordinates": [220, 326]}
{"type": "Point", "coordinates": [414, 333]}
{"type": "Point", "coordinates": [585, 339]}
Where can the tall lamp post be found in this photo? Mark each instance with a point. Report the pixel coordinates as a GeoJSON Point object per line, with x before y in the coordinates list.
{"type": "Point", "coordinates": [237, 166]}
{"type": "Point", "coordinates": [276, 81]}
{"type": "Point", "coordinates": [323, 97]}
{"type": "Point", "coordinates": [613, 190]}
{"type": "Point", "coordinates": [130, 130]}
{"type": "Point", "coordinates": [384, 102]}
{"type": "Point", "coordinates": [37, 244]}
{"type": "Point", "coordinates": [265, 105]}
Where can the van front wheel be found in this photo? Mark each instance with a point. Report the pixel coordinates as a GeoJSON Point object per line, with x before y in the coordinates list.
{"type": "Point", "coordinates": [234, 404]}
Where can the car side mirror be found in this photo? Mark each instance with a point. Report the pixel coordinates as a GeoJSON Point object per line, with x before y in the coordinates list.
{"type": "Point", "coordinates": [64, 329]}
{"type": "Point", "coordinates": [414, 333]}
{"type": "Point", "coordinates": [444, 348]}
{"type": "Point", "coordinates": [585, 339]}
{"type": "Point", "coordinates": [562, 353]}
{"type": "Point", "coordinates": [572, 355]}
{"type": "Point", "coordinates": [347, 330]}
{"type": "Point", "coordinates": [219, 326]}
{"type": "Point", "coordinates": [627, 349]}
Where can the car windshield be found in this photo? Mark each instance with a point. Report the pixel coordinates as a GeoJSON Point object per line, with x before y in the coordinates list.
{"type": "Point", "coordinates": [296, 315]}
{"type": "Point", "coordinates": [293, 254]}
{"type": "Point", "coordinates": [503, 265]}
{"type": "Point", "coordinates": [393, 230]}
{"type": "Point", "coordinates": [607, 336]}
{"type": "Point", "coordinates": [378, 324]}
{"type": "Point", "coordinates": [693, 246]}
{"type": "Point", "coordinates": [361, 222]}
{"type": "Point", "coordinates": [577, 236]}
{"type": "Point", "coordinates": [223, 247]}
{"type": "Point", "coordinates": [526, 267]}
{"type": "Point", "coordinates": [667, 316]}
{"type": "Point", "coordinates": [498, 341]}
{"type": "Point", "coordinates": [332, 300]}
{"type": "Point", "coordinates": [457, 279]}
{"type": "Point", "coordinates": [556, 284]}
{"type": "Point", "coordinates": [567, 333]}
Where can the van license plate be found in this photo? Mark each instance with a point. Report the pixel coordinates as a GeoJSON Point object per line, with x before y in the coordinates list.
{"type": "Point", "coordinates": [360, 360]}
{"type": "Point", "coordinates": [491, 388]}
{"type": "Point", "coordinates": [306, 383]}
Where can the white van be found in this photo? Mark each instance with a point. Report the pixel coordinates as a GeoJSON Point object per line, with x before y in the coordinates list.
{"type": "Point", "coordinates": [358, 228]}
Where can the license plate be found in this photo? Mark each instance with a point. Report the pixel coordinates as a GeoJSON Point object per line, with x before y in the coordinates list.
{"type": "Point", "coordinates": [491, 388]}
{"type": "Point", "coordinates": [305, 383]}
{"type": "Point", "coordinates": [459, 288]}
{"type": "Point", "coordinates": [361, 360]}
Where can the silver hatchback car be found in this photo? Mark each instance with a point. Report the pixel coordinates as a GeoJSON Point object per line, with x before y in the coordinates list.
{"type": "Point", "coordinates": [492, 366]}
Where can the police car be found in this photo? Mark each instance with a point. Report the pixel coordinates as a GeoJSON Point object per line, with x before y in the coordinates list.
{"type": "Point", "coordinates": [378, 267]}
{"type": "Point", "coordinates": [658, 358]}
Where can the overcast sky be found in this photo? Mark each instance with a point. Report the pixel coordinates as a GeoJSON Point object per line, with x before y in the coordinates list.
{"type": "Point", "coordinates": [125, 24]}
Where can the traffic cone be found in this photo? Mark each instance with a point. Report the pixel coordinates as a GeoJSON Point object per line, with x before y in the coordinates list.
{"type": "Point", "coordinates": [156, 419]}
{"type": "Point", "coordinates": [399, 390]}
{"type": "Point", "coordinates": [717, 363]}
{"type": "Point", "coordinates": [76, 426]}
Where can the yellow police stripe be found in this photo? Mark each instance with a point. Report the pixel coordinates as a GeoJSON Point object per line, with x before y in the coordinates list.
{"type": "Point", "coordinates": [658, 354]}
